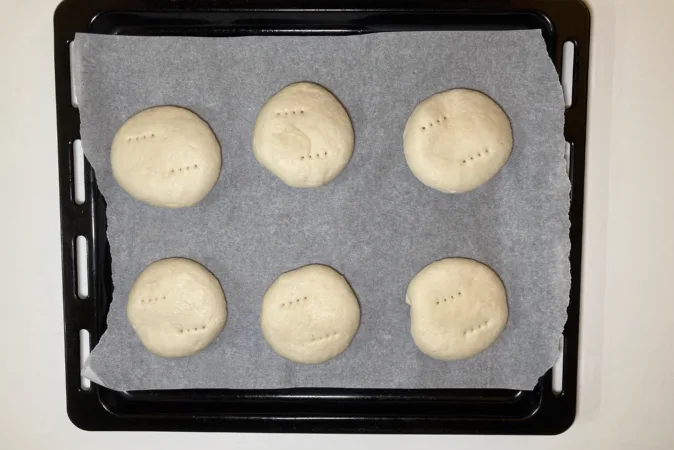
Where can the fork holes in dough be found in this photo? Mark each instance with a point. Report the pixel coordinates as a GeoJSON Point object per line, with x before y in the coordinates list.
{"type": "Point", "coordinates": [201, 304]}
{"type": "Point", "coordinates": [474, 119]}
{"type": "Point", "coordinates": [321, 329]}
{"type": "Point", "coordinates": [465, 327]}
{"type": "Point", "coordinates": [329, 130]}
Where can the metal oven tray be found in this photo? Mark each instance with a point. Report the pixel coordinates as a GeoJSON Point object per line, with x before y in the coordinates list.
{"type": "Point", "coordinates": [476, 411]}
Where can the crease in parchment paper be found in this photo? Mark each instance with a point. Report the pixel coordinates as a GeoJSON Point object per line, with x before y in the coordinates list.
{"type": "Point", "coordinates": [375, 223]}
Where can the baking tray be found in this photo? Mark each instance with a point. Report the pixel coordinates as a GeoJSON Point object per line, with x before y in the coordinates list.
{"type": "Point", "coordinates": [466, 411]}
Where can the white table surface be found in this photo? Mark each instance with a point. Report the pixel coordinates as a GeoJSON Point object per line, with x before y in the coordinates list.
{"type": "Point", "coordinates": [626, 398]}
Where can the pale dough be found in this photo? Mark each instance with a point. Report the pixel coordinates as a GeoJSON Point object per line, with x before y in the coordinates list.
{"type": "Point", "coordinates": [303, 135]}
{"type": "Point", "coordinates": [309, 315]}
{"type": "Point", "coordinates": [166, 156]}
{"type": "Point", "coordinates": [457, 140]}
{"type": "Point", "coordinates": [458, 308]}
{"type": "Point", "coordinates": [176, 307]}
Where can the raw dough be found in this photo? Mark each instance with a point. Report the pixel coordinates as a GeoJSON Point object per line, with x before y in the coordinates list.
{"type": "Point", "coordinates": [458, 308]}
{"type": "Point", "coordinates": [177, 307]}
{"type": "Point", "coordinates": [309, 315]}
{"type": "Point", "coordinates": [303, 135]}
{"type": "Point", "coordinates": [166, 156]}
{"type": "Point", "coordinates": [457, 140]}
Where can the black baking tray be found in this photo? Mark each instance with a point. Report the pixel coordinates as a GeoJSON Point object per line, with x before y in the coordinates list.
{"type": "Point", "coordinates": [468, 411]}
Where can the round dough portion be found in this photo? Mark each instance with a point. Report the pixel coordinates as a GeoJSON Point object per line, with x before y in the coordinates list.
{"type": "Point", "coordinates": [458, 308]}
{"type": "Point", "coordinates": [457, 140]}
{"type": "Point", "coordinates": [309, 315]}
{"type": "Point", "coordinates": [303, 135]}
{"type": "Point", "coordinates": [166, 156]}
{"type": "Point", "coordinates": [176, 307]}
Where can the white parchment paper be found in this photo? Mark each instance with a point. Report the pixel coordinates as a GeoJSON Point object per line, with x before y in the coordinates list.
{"type": "Point", "coordinates": [376, 223]}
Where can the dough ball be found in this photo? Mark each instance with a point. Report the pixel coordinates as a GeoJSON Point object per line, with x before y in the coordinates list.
{"type": "Point", "coordinates": [303, 135]}
{"type": "Point", "coordinates": [166, 156]}
{"type": "Point", "coordinates": [309, 315]}
{"type": "Point", "coordinates": [457, 140]}
{"type": "Point", "coordinates": [458, 308]}
{"type": "Point", "coordinates": [176, 307]}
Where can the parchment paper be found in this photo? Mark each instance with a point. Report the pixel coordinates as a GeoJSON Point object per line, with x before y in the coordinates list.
{"type": "Point", "coordinates": [376, 223]}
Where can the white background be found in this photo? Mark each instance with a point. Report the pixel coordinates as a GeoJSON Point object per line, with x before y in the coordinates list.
{"type": "Point", "coordinates": [627, 372]}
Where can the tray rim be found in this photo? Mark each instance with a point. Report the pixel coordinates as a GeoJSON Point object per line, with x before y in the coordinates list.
{"type": "Point", "coordinates": [553, 414]}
